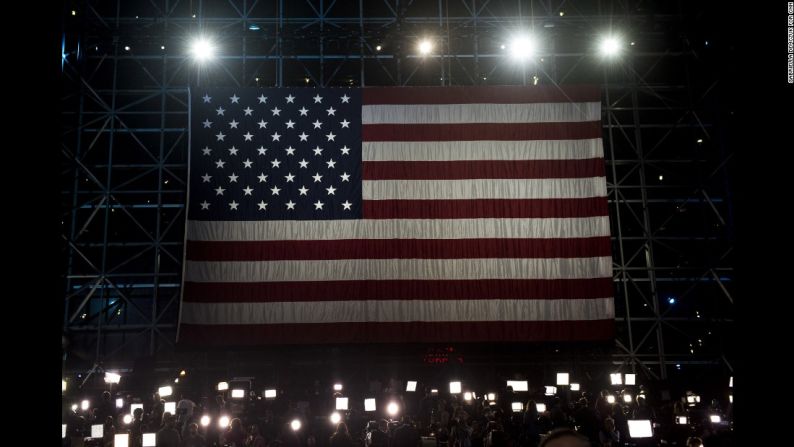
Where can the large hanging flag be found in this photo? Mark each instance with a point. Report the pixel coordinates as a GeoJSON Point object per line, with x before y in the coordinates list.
{"type": "Point", "coordinates": [416, 214]}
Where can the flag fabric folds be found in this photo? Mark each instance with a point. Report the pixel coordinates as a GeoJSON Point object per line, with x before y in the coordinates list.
{"type": "Point", "coordinates": [396, 214]}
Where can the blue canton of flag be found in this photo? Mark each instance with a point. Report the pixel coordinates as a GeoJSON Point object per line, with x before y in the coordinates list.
{"type": "Point", "coordinates": [275, 154]}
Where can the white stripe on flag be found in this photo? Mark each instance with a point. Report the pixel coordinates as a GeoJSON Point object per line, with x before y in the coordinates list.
{"type": "Point", "coordinates": [564, 188]}
{"type": "Point", "coordinates": [415, 269]}
{"type": "Point", "coordinates": [397, 311]}
{"type": "Point", "coordinates": [482, 150]}
{"type": "Point", "coordinates": [481, 113]}
{"type": "Point", "coordinates": [302, 230]}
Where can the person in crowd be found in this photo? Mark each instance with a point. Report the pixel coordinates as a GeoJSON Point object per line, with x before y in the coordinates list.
{"type": "Point", "coordinates": [406, 435]}
{"type": "Point", "coordinates": [168, 436]}
{"type": "Point", "coordinates": [192, 437]}
{"type": "Point", "coordinates": [694, 442]}
{"type": "Point", "coordinates": [235, 434]}
{"type": "Point", "coordinates": [108, 432]}
{"type": "Point", "coordinates": [379, 436]}
{"type": "Point", "coordinates": [341, 438]}
{"type": "Point", "coordinates": [255, 438]}
{"type": "Point", "coordinates": [609, 436]}
{"type": "Point", "coordinates": [565, 438]}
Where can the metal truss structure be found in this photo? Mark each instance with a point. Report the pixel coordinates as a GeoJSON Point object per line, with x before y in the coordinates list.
{"type": "Point", "coordinates": [126, 74]}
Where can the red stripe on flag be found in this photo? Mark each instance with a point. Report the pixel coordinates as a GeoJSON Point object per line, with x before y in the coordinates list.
{"type": "Point", "coordinates": [479, 94]}
{"type": "Point", "coordinates": [481, 131]}
{"type": "Point", "coordinates": [482, 169]}
{"type": "Point", "coordinates": [426, 332]}
{"type": "Point", "coordinates": [484, 208]}
{"type": "Point", "coordinates": [398, 290]}
{"type": "Point", "coordinates": [397, 249]}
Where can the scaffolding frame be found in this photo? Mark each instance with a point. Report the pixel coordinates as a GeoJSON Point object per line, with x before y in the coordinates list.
{"type": "Point", "coordinates": [124, 145]}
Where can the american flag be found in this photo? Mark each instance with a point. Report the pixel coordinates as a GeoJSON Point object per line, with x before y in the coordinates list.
{"type": "Point", "coordinates": [396, 214]}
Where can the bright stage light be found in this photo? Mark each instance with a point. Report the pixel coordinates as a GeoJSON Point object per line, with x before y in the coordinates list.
{"type": "Point", "coordinates": [715, 418]}
{"type": "Point", "coordinates": [631, 379]}
{"type": "Point", "coordinates": [165, 391]}
{"type": "Point", "coordinates": [517, 407]}
{"type": "Point", "coordinates": [133, 407]}
{"type": "Point", "coordinates": [611, 399]}
{"type": "Point", "coordinates": [467, 396]}
{"type": "Point", "coordinates": [202, 49]}
{"type": "Point", "coordinates": [127, 419]}
{"type": "Point", "coordinates": [540, 407]}
{"type": "Point", "coordinates": [523, 47]}
{"type": "Point", "coordinates": [337, 387]}
{"type": "Point", "coordinates": [518, 385]}
{"type": "Point", "coordinates": [425, 47]}
{"type": "Point", "coordinates": [335, 418]}
{"type": "Point", "coordinates": [392, 409]}
{"type": "Point", "coordinates": [149, 440]}
{"type": "Point", "coordinates": [119, 403]}
{"type": "Point", "coordinates": [295, 425]}
{"type": "Point", "coordinates": [170, 407]}
{"type": "Point", "coordinates": [341, 403]}
{"type": "Point", "coordinates": [223, 422]}
{"type": "Point", "coordinates": [609, 46]}
{"type": "Point", "coordinates": [369, 404]}
{"type": "Point", "coordinates": [223, 386]}
{"type": "Point", "coordinates": [551, 390]}
{"type": "Point", "coordinates": [491, 396]}
{"type": "Point", "coordinates": [574, 387]}
{"type": "Point", "coordinates": [616, 379]}
{"type": "Point", "coordinates": [410, 386]}
{"type": "Point", "coordinates": [270, 394]}
{"type": "Point", "coordinates": [84, 405]}
{"type": "Point", "coordinates": [454, 387]}
{"type": "Point", "coordinates": [205, 421]}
